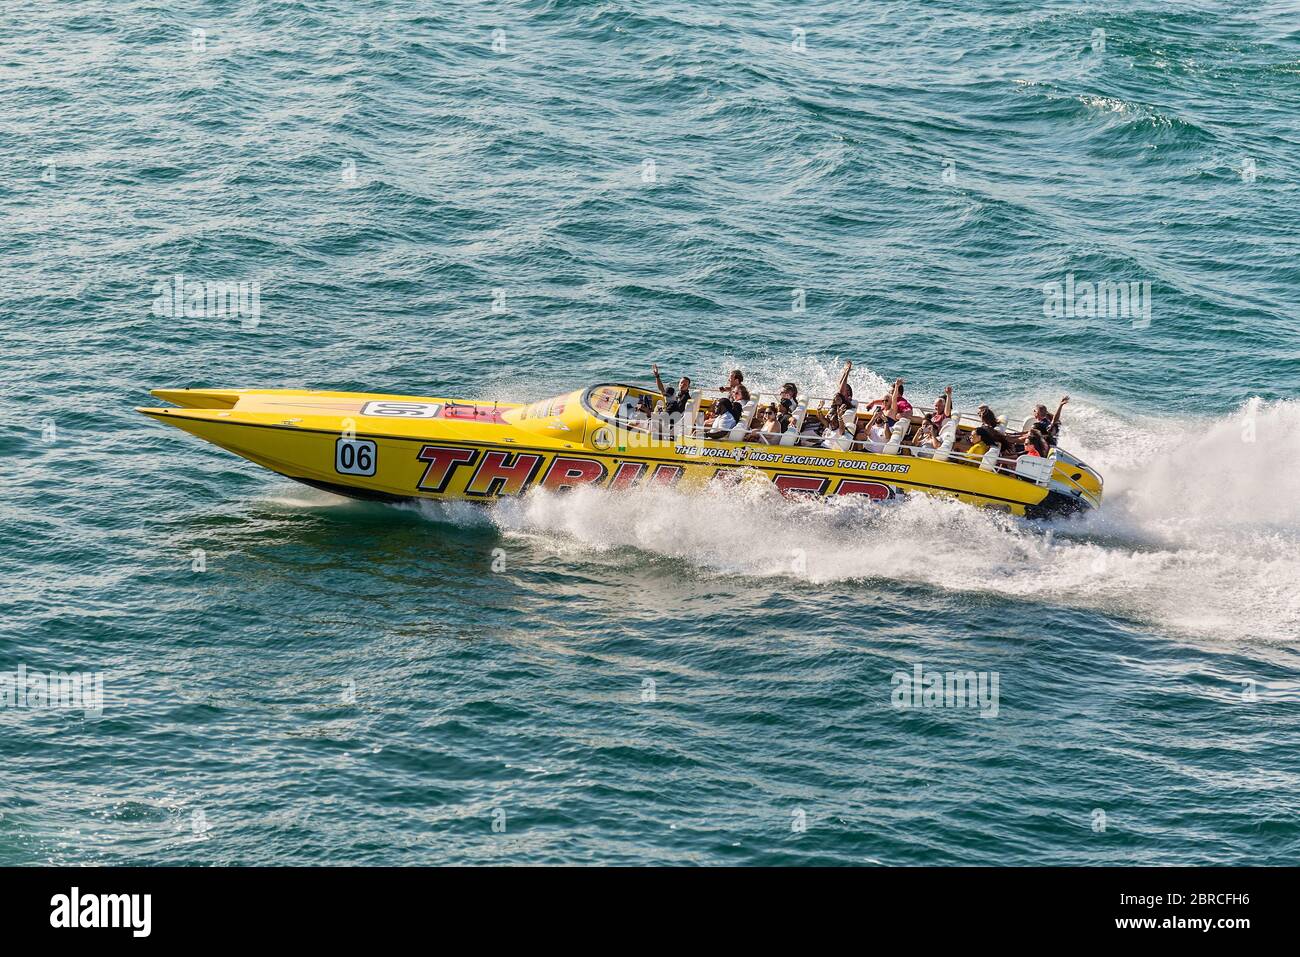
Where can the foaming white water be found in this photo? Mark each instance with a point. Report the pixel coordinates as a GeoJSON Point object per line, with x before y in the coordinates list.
{"type": "Point", "coordinates": [464, 514]}
{"type": "Point", "coordinates": [1193, 483]}
{"type": "Point", "coordinates": [1217, 503]}
{"type": "Point", "coordinates": [1198, 534]}
{"type": "Point", "coordinates": [306, 497]}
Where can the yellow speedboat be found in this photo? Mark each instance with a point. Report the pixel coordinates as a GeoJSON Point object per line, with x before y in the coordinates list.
{"type": "Point", "coordinates": [399, 447]}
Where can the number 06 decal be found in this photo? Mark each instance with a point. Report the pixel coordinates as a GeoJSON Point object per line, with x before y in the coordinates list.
{"type": "Point", "coordinates": [402, 410]}
{"type": "Point", "coordinates": [355, 457]}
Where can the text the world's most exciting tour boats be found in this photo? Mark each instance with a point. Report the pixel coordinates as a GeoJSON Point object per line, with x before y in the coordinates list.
{"type": "Point", "coordinates": [401, 447]}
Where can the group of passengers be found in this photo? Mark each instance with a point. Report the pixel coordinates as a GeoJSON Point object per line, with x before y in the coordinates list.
{"type": "Point", "coordinates": [1036, 441]}
{"type": "Point", "coordinates": [826, 428]}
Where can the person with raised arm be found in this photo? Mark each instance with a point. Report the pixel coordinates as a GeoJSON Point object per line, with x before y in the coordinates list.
{"type": "Point", "coordinates": [674, 400]}
{"type": "Point", "coordinates": [894, 403]}
{"type": "Point", "coordinates": [843, 391]}
{"type": "Point", "coordinates": [1049, 425]}
{"type": "Point", "coordinates": [842, 416]}
{"type": "Point", "coordinates": [872, 434]}
{"type": "Point", "coordinates": [942, 410]}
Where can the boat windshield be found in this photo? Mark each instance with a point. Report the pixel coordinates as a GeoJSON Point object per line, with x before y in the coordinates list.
{"type": "Point", "coordinates": [613, 402]}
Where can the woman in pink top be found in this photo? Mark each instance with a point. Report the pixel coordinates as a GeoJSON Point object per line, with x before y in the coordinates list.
{"type": "Point", "coordinates": [895, 406]}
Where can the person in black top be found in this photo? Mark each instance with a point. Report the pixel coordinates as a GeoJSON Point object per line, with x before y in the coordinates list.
{"type": "Point", "coordinates": [785, 411]}
{"type": "Point", "coordinates": [1049, 425]}
{"type": "Point", "coordinates": [674, 401]}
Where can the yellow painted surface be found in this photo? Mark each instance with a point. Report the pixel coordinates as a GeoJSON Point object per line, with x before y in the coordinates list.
{"type": "Point", "coordinates": [438, 448]}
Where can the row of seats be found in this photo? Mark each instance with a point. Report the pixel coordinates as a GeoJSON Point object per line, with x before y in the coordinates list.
{"type": "Point", "coordinates": [690, 425]}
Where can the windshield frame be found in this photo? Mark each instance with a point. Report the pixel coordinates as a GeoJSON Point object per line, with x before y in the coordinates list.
{"type": "Point", "coordinates": [585, 399]}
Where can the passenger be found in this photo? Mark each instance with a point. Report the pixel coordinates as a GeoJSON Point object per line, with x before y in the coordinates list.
{"type": "Point", "coordinates": [835, 431]}
{"type": "Point", "coordinates": [674, 401]}
{"type": "Point", "coordinates": [873, 434]}
{"type": "Point", "coordinates": [834, 420]}
{"type": "Point", "coordinates": [735, 388]}
{"type": "Point", "coordinates": [927, 439]}
{"type": "Point", "coordinates": [764, 424]}
{"type": "Point", "coordinates": [843, 398]}
{"type": "Point", "coordinates": [790, 391]}
{"type": "Point", "coordinates": [894, 404]}
{"type": "Point", "coordinates": [774, 426]}
{"type": "Point", "coordinates": [1036, 442]}
{"type": "Point", "coordinates": [985, 438]}
{"type": "Point", "coordinates": [638, 416]}
{"type": "Point", "coordinates": [840, 405]}
{"type": "Point", "coordinates": [1049, 425]}
{"type": "Point", "coordinates": [786, 409]}
{"type": "Point", "coordinates": [662, 423]}
{"type": "Point", "coordinates": [990, 420]}
{"type": "Point", "coordinates": [942, 410]}
{"type": "Point", "coordinates": [723, 420]}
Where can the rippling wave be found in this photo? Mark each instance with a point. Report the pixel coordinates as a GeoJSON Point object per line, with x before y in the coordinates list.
{"type": "Point", "coordinates": [510, 200]}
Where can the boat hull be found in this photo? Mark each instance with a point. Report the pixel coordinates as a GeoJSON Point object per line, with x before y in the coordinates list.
{"type": "Point", "coordinates": [366, 447]}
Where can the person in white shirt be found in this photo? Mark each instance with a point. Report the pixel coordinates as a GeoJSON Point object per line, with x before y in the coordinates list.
{"type": "Point", "coordinates": [724, 419]}
{"type": "Point", "coordinates": [927, 439]}
{"type": "Point", "coordinates": [638, 416]}
{"type": "Point", "coordinates": [874, 433]}
{"type": "Point", "coordinates": [832, 435]}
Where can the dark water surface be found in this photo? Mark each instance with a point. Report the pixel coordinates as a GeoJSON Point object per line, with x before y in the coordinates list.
{"type": "Point", "coordinates": [653, 677]}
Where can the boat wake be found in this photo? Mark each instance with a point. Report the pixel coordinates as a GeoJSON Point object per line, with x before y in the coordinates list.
{"type": "Point", "coordinates": [1196, 535]}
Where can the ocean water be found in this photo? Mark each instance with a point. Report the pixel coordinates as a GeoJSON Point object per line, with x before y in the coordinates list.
{"type": "Point", "coordinates": [497, 200]}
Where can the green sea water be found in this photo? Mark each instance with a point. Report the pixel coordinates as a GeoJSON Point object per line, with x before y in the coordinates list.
{"type": "Point", "coordinates": [510, 200]}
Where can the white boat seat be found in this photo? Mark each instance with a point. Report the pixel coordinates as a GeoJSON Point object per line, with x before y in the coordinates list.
{"type": "Point", "coordinates": [947, 436]}
{"type": "Point", "coordinates": [845, 441]}
{"type": "Point", "coordinates": [746, 415]}
{"type": "Point", "coordinates": [896, 436]}
{"type": "Point", "coordinates": [1035, 468]}
{"type": "Point", "coordinates": [796, 423]}
{"type": "Point", "coordinates": [689, 419]}
{"type": "Point", "coordinates": [990, 460]}
{"type": "Point", "coordinates": [661, 423]}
